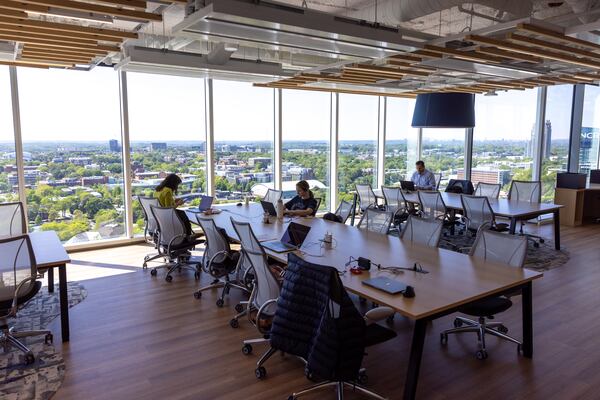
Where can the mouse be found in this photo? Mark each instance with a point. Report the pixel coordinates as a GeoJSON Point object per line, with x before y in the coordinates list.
{"type": "Point", "coordinates": [239, 204]}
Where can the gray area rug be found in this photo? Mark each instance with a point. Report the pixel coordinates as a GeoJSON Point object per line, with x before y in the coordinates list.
{"type": "Point", "coordinates": [40, 380]}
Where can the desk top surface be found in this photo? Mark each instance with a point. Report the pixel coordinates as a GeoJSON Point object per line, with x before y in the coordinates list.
{"type": "Point", "coordinates": [453, 279]}
{"type": "Point", "coordinates": [49, 251]}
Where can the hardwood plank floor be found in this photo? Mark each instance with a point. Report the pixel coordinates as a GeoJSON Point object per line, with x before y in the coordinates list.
{"type": "Point", "coordinates": [138, 337]}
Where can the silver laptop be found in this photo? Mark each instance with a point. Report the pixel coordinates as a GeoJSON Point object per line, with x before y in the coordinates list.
{"type": "Point", "coordinates": [292, 239]}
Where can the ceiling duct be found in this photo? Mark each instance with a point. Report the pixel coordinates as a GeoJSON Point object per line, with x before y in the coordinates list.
{"type": "Point", "coordinates": [167, 62]}
{"type": "Point", "coordinates": [276, 26]}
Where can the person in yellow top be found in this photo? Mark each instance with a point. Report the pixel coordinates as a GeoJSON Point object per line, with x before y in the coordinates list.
{"type": "Point", "coordinates": [165, 193]}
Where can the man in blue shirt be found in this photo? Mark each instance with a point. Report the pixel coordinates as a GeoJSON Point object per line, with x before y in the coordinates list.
{"type": "Point", "coordinates": [423, 178]}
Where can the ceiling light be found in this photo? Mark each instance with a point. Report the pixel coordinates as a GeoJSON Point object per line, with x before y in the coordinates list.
{"type": "Point", "coordinates": [491, 93]}
{"type": "Point", "coordinates": [231, 47]}
{"type": "Point", "coordinates": [81, 16]}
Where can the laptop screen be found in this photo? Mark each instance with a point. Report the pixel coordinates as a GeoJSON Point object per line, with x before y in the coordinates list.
{"type": "Point", "coordinates": [205, 203]}
{"type": "Point", "coordinates": [295, 234]}
{"type": "Point", "coordinates": [407, 185]}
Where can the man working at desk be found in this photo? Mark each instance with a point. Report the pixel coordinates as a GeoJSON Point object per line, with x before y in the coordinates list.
{"type": "Point", "coordinates": [423, 178]}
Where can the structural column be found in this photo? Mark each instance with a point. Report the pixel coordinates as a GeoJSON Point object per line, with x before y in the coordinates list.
{"type": "Point", "coordinates": [381, 132]}
{"type": "Point", "coordinates": [126, 153]}
{"type": "Point", "coordinates": [576, 125]}
{"type": "Point", "coordinates": [333, 150]}
{"type": "Point", "coordinates": [278, 133]}
{"type": "Point", "coordinates": [468, 152]}
{"type": "Point", "coordinates": [210, 136]}
{"type": "Point", "coordinates": [538, 141]}
{"type": "Point", "coordinates": [16, 114]}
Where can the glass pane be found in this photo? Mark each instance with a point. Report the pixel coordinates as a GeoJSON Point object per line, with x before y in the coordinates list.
{"type": "Point", "coordinates": [167, 133]}
{"type": "Point", "coordinates": [73, 174]}
{"type": "Point", "coordinates": [590, 130]}
{"type": "Point", "coordinates": [398, 135]}
{"type": "Point", "coordinates": [306, 142]}
{"type": "Point", "coordinates": [244, 137]}
{"type": "Point", "coordinates": [443, 151]}
{"type": "Point", "coordinates": [555, 146]}
{"type": "Point", "coordinates": [8, 164]}
{"type": "Point", "coordinates": [357, 137]}
{"type": "Point", "coordinates": [502, 137]}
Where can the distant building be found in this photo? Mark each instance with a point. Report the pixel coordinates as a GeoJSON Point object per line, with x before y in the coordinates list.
{"type": "Point", "coordinates": [158, 146]}
{"type": "Point", "coordinates": [547, 141]}
{"type": "Point", "coordinates": [114, 146]}
{"type": "Point", "coordinates": [94, 180]}
{"type": "Point", "coordinates": [587, 145]}
{"type": "Point", "coordinates": [81, 161]}
{"type": "Point", "coordinates": [150, 175]}
{"type": "Point", "coordinates": [487, 175]}
{"type": "Point", "coordinates": [261, 162]}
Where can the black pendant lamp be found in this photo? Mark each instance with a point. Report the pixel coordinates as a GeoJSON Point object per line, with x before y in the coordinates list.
{"type": "Point", "coordinates": [444, 110]}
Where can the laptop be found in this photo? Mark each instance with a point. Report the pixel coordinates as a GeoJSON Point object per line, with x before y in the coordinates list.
{"type": "Point", "coordinates": [388, 285]}
{"type": "Point", "coordinates": [407, 185]}
{"type": "Point", "coordinates": [268, 207]}
{"type": "Point", "coordinates": [205, 204]}
{"type": "Point", "coordinates": [292, 239]}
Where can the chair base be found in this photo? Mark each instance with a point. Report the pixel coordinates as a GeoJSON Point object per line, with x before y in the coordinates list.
{"type": "Point", "coordinates": [226, 285]}
{"type": "Point", "coordinates": [152, 257]}
{"type": "Point", "coordinates": [481, 327]}
{"type": "Point", "coordinates": [10, 338]}
{"type": "Point", "coordinates": [178, 263]}
{"type": "Point", "coordinates": [339, 386]}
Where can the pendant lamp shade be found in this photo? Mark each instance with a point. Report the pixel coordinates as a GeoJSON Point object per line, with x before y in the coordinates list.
{"type": "Point", "coordinates": [444, 110]}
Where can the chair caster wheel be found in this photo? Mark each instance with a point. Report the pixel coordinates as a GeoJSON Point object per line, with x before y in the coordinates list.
{"type": "Point", "coordinates": [234, 323]}
{"type": "Point", "coordinates": [197, 295]}
{"type": "Point", "coordinates": [239, 308]}
{"type": "Point", "coordinates": [220, 303]}
{"type": "Point", "coordinates": [444, 338]}
{"type": "Point", "coordinates": [309, 375]}
{"type": "Point", "coordinates": [363, 378]}
{"type": "Point", "coordinates": [144, 266]}
{"type": "Point", "coordinates": [481, 354]}
{"type": "Point", "coordinates": [153, 272]}
{"type": "Point", "coordinates": [458, 323]}
{"type": "Point", "coordinates": [168, 278]}
{"type": "Point", "coordinates": [260, 372]}
{"type": "Point", "coordinates": [503, 329]}
{"type": "Point", "coordinates": [247, 349]}
{"type": "Point", "coordinates": [197, 276]}
{"type": "Point", "coordinates": [49, 338]}
{"type": "Point", "coordinates": [29, 358]}
{"type": "Point", "coordinates": [291, 398]}
{"type": "Point", "coordinates": [542, 240]}
{"type": "Point", "coordinates": [536, 245]}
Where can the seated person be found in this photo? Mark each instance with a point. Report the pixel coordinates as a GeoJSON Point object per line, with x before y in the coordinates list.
{"type": "Point", "coordinates": [165, 191]}
{"type": "Point", "coordinates": [303, 204]}
{"type": "Point", "coordinates": [423, 178]}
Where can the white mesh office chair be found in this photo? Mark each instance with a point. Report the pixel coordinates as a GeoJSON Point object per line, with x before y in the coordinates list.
{"type": "Point", "coordinates": [174, 242]}
{"type": "Point", "coordinates": [438, 179]}
{"type": "Point", "coordinates": [425, 232]}
{"type": "Point", "coordinates": [498, 248]}
{"type": "Point", "coordinates": [375, 220]}
{"type": "Point", "coordinates": [150, 228]}
{"type": "Point", "coordinates": [490, 190]}
{"type": "Point", "coordinates": [18, 284]}
{"type": "Point", "coordinates": [273, 196]}
{"type": "Point", "coordinates": [12, 219]}
{"type": "Point", "coordinates": [344, 210]}
{"type": "Point", "coordinates": [265, 291]}
{"type": "Point", "coordinates": [530, 192]}
{"type": "Point", "coordinates": [395, 203]}
{"type": "Point", "coordinates": [366, 196]}
{"type": "Point", "coordinates": [478, 212]}
{"type": "Point", "coordinates": [432, 206]}
{"type": "Point", "coordinates": [318, 200]}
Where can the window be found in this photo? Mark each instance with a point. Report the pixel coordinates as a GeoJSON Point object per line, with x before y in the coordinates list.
{"type": "Point", "coordinates": [399, 156]}
{"type": "Point", "coordinates": [555, 142]}
{"type": "Point", "coordinates": [74, 178]}
{"type": "Point", "coordinates": [306, 130]}
{"type": "Point", "coordinates": [357, 142]}
{"type": "Point", "coordinates": [443, 151]}
{"type": "Point", "coordinates": [244, 136]}
{"type": "Point", "coordinates": [590, 130]}
{"type": "Point", "coordinates": [167, 133]}
{"type": "Point", "coordinates": [503, 138]}
{"type": "Point", "coordinates": [8, 164]}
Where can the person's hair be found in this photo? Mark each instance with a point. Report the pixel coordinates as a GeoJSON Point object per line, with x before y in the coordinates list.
{"type": "Point", "coordinates": [172, 181]}
{"type": "Point", "coordinates": [421, 163]}
{"type": "Point", "coordinates": [306, 187]}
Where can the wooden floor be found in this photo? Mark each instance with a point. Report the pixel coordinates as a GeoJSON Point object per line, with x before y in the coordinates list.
{"type": "Point", "coordinates": [139, 337]}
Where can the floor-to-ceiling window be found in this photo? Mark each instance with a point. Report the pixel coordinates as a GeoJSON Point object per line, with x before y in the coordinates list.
{"type": "Point", "coordinates": [357, 142]}
{"type": "Point", "coordinates": [244, 136]}
{"type": "Point", "coordinates": [167, 134]}
{"type": "Point", "coordinates": [555, 141]}
{"type": "Point", "coordinates": [306, 120]}
{"type": "Point", "coordinates": [398, 135]}
{"type": "Point", "coordinates": [590, 130]}
{"type": "Point", "coordinates": [443, 151]}
{"type": "Point", "coordinates": [73, 175]}
{"type": "Point", "coordinates": [8, 165]}
{"type": "Point", "coordinates": [504, 137]}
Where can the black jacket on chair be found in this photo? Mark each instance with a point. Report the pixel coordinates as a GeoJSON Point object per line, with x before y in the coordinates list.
{"type": "Point", "coordinates": [316, 320]}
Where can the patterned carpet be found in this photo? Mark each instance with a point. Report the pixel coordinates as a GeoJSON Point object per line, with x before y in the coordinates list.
{"type": "Point", "coordinates": [40, 380]}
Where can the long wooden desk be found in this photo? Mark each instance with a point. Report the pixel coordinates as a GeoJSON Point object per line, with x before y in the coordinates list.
{"type": "Point", "coordinates": [514, 210]}
{"type": "Point", "coordinates": [454, 279]}
{"type": "Point", "coordinates": [49, 254]}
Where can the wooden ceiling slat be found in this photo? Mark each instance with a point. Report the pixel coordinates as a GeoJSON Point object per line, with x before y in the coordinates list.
{"type": "Point", "coordinates": [509, 54]}
{"type": "Point", "coordinates": [552, 46]}
{"type": "Point", "coordinates": [67, 29]}
{"type": "Point", "coordinates": [8, 12]}
{"type": "Point", "coordinates": [62, 50]}
{"type": "Point", "coordinates": [49, 33]}
{"type": "Point", "coordinates": [133, 4]}
{"type": "Point", "coordinates": [557, 36]}
{"type": "Point", "coordinates": [427, 53]}
{"type": "Point", "coordinates": [82, 42]}
{"type": "Point", "coordinates": [76, 60]}
{"type": "Point", "coordinates": [397, 63]}
{"type": "Point", "coordinates": [332, 90]}
{"type": "Point", "coordinates": [27, 39]}
{"type": "Point", "coordinates": [406, 57]}
{"type": "Point", "coordinates": [465, 55]}
{"type": "Point", "coordinates": [27, 63]}
{"type": "Point", "coordinates": [384, 70]}
{"type": "Point", "coordinates": [18, 64]}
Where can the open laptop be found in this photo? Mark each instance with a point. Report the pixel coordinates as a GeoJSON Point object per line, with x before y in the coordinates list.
{"type": "Point", "coordinates": [205, 204]}
{"type": "Point", "coordinates": [388, 285]}
{"type": "Point", "coordinates": [268, 207]}
{"type": "Point", "coordinates": [292, 239]}
{"type": "Point", "coordinates": [407, 185]}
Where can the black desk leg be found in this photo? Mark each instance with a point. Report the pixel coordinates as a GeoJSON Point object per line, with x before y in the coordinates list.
{"type": "Point", "coordinates": [527, 298]}
{"type": "Point", "coordinates": [414, 362]}
{"type": "Point", "coordinates": [557, 229]}
{"type": "Point", "coordinates": [64, 302]}
{"type": "Point", "coordinates": [50, 280]}
{"type": "Point", "coordinates": [513, 226]}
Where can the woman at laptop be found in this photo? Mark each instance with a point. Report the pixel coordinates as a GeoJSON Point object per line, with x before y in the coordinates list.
{"type": "Point", "coordinates": [303, 204]}
{"type": "Point", "coordinates": [165, 193]}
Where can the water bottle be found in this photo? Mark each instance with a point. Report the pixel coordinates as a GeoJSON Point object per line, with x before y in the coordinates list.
{"type": "Point", "coordinates": [279, 209]}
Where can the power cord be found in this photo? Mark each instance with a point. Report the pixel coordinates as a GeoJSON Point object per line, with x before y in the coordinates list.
{"type": "Point", "coordinates": [417, 267]}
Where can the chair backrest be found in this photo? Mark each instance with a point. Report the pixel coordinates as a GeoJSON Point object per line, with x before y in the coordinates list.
{"type": "Point", "coordinates": [12, 219]}
{"type": "Point", "coordinates": [438, 179]}
{"type": "Point", "coordinates": [171, 227]}
{"type": "Point", "coordinates": [425, 232]}
{"type": "Point", "coordinates": [217, 246]}
{"type": "Point", "coordinates": [431, 204]}
{"type": "Point", "coordinates": [318, 200]}
{"type": "Point", "coordinates": [528, 191]}
{"type": "Point", "coordinates": [375, 220]}
{"type": "Point", "coordinates": [16, 264]}
{"type": "Point", "coordinates": [146, 202]}
{"type": "Point", "coordinates": [366, 196]}
{"type": "Point", "coordinates": [477, 211]}
{"type": "Point", "coordinates": [461, 186]}
{"type": "Point", "coordinates": [501, 248]}
{"type": "Point", "coordinates": [491, 190]}
{"type": "Point", "coordinates": [273, 196]}
{"type": "Point", "coordinates": [394, 199]}
{"type": "Point", "coordinates": [344, 210]}
{"type": "Point", "coordinates": [266, 286]}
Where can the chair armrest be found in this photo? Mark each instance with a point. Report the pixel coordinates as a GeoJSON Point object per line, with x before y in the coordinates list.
{"type": "Point", "coordinates": [13, 308]}
{"type": "Point", "coordinates": [378, 314]}
{"type": "Point", "coordinates": [183, 235]}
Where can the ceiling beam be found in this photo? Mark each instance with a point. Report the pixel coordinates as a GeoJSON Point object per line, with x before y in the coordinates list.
{"type": "Point", "coordinates": [99, 33]}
